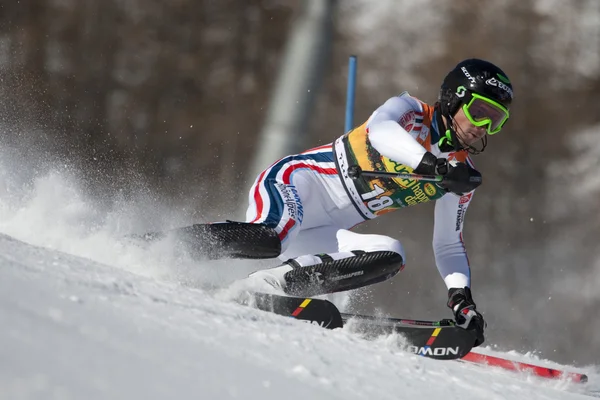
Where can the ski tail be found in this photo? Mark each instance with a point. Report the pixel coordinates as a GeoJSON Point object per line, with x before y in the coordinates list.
{"type": "Point", "coordinates": [315, 311]}
{"type": "Point", "coordinates": [537, 370]}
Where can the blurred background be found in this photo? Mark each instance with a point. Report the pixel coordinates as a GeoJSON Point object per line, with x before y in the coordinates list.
{"type": "Point", "coordinates": [178, 99]}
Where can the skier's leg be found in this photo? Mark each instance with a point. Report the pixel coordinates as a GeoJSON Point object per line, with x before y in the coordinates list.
{"type": "Point", "coordinates": [278, 207]}
{"type": "Point", "coordinates": [299, 199]}
{"type": "Point", "coordinates": [289, 196]}
{"type": "Point", "coordinates": [273, 218]}
{"type": "Point", "coordinates": [361, 260]}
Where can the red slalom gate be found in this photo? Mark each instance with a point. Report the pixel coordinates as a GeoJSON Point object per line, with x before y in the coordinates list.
{"type": "Point", "coordinates": [524, 367]}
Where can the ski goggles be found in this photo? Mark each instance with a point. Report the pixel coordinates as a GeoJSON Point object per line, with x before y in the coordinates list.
{"type": "Point", "coordinates": [482, 111]}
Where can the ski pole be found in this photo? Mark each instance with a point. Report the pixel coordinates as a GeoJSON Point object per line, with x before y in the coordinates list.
{"type": "Point", "coordinates": [355, 172]}
{"type": "Point", "coordinates": [350, 90]}
{"type": "Point", "coordinates": [394, 321]}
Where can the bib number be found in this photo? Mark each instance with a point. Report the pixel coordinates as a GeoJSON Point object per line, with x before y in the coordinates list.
{"type": "Point", "coordinates": [376, 203]}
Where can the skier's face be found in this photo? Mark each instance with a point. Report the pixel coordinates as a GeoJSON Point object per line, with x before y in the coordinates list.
{"type": "Point", "coordinates": [466, 132]}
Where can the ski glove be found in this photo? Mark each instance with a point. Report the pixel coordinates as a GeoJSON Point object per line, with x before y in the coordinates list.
{"type": "Point", "coordinates": [465, 312]}
{"type": "Point", "coordinates": [458, 178]}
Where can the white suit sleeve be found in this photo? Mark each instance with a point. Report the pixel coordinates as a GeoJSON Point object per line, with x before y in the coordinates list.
{"type": "Point", "coordinates": [389, 138]}
{"type": "Point", "coordinates": [448, 246]}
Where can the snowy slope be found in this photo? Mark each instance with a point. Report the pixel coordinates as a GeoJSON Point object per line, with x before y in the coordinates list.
{"type": "Point", "coordinates": [84, 316]}
{"type": "Point", "coordinates": [74, 329]}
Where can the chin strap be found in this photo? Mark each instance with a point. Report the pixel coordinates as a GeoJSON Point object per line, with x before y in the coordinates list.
{"type": "Point", "coordinates": [474, 150]}
{"type": "Point", "coordinates": [448, 139]}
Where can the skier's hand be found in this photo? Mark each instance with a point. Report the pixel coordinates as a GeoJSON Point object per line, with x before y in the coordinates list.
{"type": "Point", "coordinates": [465, 312]}
{"type": "Point", "coordinates": [459, 178]}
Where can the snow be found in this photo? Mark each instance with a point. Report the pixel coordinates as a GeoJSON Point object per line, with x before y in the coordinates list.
{"type": "Point", "coordinates": [87, 316]}
{"type": "Point", "coordinates": [75, 328]}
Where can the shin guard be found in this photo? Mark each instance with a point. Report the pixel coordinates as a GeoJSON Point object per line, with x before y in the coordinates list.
{"type": "Point", "coordinates": [225, 240]}
{"type": "Point", "coordinates": [365, 268]}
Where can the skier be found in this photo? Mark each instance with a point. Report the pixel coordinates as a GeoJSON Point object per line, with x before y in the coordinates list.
{"type": "Point", "coordinates": [302, 207]}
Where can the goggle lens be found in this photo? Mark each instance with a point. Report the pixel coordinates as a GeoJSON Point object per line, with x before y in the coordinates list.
{"type": "Point", "coordinates": [482, 111]}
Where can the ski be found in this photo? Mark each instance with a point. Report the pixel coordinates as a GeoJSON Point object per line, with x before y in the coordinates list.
{"type": "Point", "coordinates": [440, 340]}
{"type": "Point", "coordinates": [315, 311]}
{"type": "Point", "coordinates": [518, 366]}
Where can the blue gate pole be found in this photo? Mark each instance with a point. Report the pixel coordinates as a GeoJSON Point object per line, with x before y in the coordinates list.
{"type": "Point", "coordinates": [350, 91]}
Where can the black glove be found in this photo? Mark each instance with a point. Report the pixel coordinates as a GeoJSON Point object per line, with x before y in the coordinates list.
{"type": "Point", "coordinates": [459, 178]}
{"type": "Point", "coordinates": [465, 312]}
